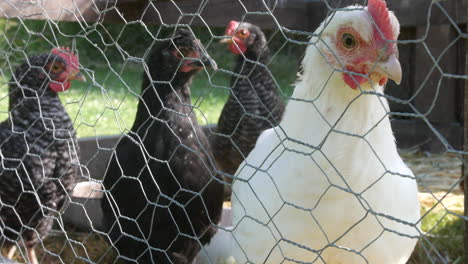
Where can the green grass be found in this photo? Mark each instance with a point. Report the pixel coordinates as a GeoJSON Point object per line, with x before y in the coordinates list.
{"type": "Point", "coordinates": [110, 106]}
{"type": "Point", "coordinates": [446, 235]}
{"type": "Point", "coordinates": [443, 239]}
{"type": "Point", "coordinates": [106, 103]}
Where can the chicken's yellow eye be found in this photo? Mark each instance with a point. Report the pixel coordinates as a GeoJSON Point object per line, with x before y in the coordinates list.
{"type": "Point", "coordinates": [348, 41]}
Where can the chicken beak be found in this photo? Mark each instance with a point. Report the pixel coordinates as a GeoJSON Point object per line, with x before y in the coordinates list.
{"type": "Point", "coordinates": [207, 62]}
{"type": "Point", "coordinates": [77, 76]}
{"type": "Point", "coordinates": [390, 68]}
{"type": "Point", "coordinates": [226, 40]}
{"type": "Point", "coordinates": [204, 62]}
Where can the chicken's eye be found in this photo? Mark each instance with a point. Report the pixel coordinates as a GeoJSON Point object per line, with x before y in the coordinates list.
{"type": "Point", "coordinates": [56, 67]}
{"type": "Point", "coordinates": [348, 40]}
{"type": "Point", "coordinates": [242, 33]}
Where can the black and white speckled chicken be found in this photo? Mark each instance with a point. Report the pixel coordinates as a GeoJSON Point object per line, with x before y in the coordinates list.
{"type": "Point", "coordinates": [39, 150]}
{"type": "Point", "coordinates": [254, 104]}
{"type": "Point", "coordinates": [164, 196]}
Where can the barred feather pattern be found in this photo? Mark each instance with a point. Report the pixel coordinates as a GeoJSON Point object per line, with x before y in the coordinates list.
{"type": "Point", "coordinates": [253, 106]}
{"type": "Point", "coordinates": [39, 158]}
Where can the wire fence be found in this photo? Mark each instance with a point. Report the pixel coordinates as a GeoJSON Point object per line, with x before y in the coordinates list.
{"type": "Point", "coordinates": [232, 131]}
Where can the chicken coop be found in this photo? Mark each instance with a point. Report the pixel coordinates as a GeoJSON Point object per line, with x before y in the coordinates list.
{"type": "Point", "coordinates": [233, 131]}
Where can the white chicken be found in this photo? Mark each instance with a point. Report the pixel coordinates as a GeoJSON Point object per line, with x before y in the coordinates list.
{"type": "Point", "coordinates": [328, 185]}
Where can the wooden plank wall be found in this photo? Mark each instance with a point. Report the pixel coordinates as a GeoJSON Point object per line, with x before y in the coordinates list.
{"type": "Point", "coordinates": [420, 19]}
{"type": "Point", "coordinates": [438, 98]}
{"type": "Point", "coordinates": [293, 14]}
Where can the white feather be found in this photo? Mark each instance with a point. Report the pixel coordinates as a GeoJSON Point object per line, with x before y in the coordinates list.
{"type": "Point", "coordinates": [327, 185]}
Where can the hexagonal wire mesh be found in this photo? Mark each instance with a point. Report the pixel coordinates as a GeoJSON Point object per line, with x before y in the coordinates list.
{"type": "Point", "coordinates": [325, 185]}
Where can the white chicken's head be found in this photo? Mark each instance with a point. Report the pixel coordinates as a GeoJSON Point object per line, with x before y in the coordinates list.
{"type": "Point", "coordinates": [361, 40]}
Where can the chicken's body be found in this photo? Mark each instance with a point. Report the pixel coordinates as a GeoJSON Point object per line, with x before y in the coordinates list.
{"type": "Point", "coordinates": [253, 106]}
{"type": "Point", "coordinates": [39, 159]}
{"type": "Point", "coordinates": [310, 203]}
{"type": "Point", "coordinates": [165, 197]}
{"type": "Point", "coordinates": [327, 185]}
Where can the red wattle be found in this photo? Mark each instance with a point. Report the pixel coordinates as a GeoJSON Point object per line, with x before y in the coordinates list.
{"type": "Point", "coordinates": [185, 67]}
{"type": "Point", "coordinates": [383, 81]}
{"type": "Point", "coordinates": [237, 49]}
{"type": "Point", "coordinates": [59, 87]}
{"type": "Point", "coordinates": [353, 81]}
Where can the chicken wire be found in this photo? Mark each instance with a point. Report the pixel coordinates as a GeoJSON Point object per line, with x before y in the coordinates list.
{"type": "Point", "coordinates": [433, 58]}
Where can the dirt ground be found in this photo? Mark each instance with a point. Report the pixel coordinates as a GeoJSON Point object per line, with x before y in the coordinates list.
{"type": "Point", "coordinates": [442, 204]}
{"type": "Point", "coordinates": [436, 172]}
{"type": "Point", "coordinates": [438, 177]}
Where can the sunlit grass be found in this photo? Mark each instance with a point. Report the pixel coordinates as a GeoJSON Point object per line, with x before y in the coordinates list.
{"type": "Point", "coordinates": [106, 104]}
{"type": "Point", "coordinates": [443, 230]}
{"type": "Point", "coordinates": [109, 107]}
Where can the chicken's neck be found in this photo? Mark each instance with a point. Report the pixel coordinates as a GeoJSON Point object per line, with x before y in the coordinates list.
{"type": "Point", "coordinates": [24, 101]}
{"type": "Point", "coordinates": [252, 71]}
{"type": "Point", "coordinates": [40, 111]}
{"type": "Point", "coordinates": [252, 59]}
{"type": "Point", "coordinates": [158, 101]}
{"type": "Point", "coordinates": [322, 101]}
{"type": "Point", "coordinates": [259, 52]}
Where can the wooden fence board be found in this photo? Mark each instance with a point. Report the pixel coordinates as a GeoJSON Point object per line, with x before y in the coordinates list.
{"type": "Point", "coordinates": [439, 38]}
{"type": "Point", "coordinates": [299, 14]}
{"type": "Point", "coordinates": [293, 14]}
{"type": "Point", "coordinates": [63, 10]}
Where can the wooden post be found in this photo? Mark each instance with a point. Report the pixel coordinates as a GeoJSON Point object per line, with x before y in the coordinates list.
{"type": "Point", "coordinates": [465, 142]}
{"type": "Point", "coordinates": [465, 139]}
{"type": "Point", "coordinates": [465, 157]}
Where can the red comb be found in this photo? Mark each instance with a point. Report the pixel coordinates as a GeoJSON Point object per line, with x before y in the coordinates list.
{"type": "Point", "coordinates": [379, 12]}
{"type": "Point", "coordinates": [67, 54]}
{"type": "Point", "coordinates": [232, 27]}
